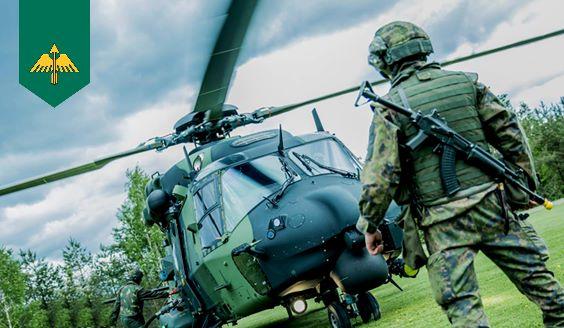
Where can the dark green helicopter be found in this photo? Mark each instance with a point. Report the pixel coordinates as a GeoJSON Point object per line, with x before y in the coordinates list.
{"type": "Point", "coordinates": [261, 220]}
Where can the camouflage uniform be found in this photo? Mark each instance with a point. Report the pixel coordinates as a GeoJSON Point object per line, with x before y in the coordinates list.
{"type": "Point", "coordinates": [456, 228]}
{"type": "Point", "coordinates": [129, 304]}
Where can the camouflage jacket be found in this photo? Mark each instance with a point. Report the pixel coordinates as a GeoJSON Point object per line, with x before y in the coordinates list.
{"type": "Point", "coordinates": [129, 301]}
{"type": "Point", "coordinates": [382, 173]}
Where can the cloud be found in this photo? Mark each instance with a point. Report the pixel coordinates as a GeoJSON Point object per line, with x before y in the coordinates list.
{"type": "Point", "coordinates": [550, 90]}
{"type": "Point", "coordinates": [279, 23]}
{"type": "Point", "coordinates": [467, 21]}
{"type": "Point", "coordinates": [84, 207]}
{"type": "Point", "coordinates": [519, 69]}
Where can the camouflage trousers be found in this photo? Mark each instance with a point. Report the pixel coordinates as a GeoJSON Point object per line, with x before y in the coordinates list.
{"type": "Point", "coordinates": [521, 255]}
{"type": "Point", "coordinates": [132, 322]}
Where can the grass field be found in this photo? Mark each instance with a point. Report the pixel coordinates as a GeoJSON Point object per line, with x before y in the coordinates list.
{"type": "Point", "coordinates": [415, 307]}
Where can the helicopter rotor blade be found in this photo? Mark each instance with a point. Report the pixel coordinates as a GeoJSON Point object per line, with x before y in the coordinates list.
{"type": "Point", "coordinates": [80, 169]}
{"type": "Point", "coordinates": [223, 59]}
{"type": "Point", "coordinates": [267, 112]}
{"type": "Point", "coordinates": [216, 78]}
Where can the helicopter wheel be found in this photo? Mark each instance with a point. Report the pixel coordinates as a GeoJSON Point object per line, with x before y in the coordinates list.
{"type": "Point", "coordinates": [338, 316]}
{"type": "Point", "coordinates": [368, 307]}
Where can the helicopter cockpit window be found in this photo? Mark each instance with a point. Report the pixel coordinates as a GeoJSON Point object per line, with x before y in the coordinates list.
{"type": "Point", "coordinates": [211, 229]}
{"type": "Point", "coordinates": [205, 199]}
{"type": "Point", "coordinates": [206, 204]}
{"type": "Point", "coordinates": [245, 185]}
{"type": "Point", "coordinates": [320, 153]}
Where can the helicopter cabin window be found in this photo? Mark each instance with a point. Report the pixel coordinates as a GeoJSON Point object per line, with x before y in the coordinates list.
{"type": "Point", "coordinates": [206, 204]}
{"type": "Point", "coordinates": [245, 185]}
{"type": "Point", "coordinates": [311, 157]}
{"type": "Point", "coordinates": [211, 229]}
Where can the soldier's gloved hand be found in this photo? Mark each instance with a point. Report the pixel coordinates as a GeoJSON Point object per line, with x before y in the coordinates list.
{"type": "Point", "coordinates": [374, 242]}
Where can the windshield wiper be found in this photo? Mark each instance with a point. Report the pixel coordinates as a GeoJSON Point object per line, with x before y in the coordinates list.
{"type": "Point", "coordinates": [290, 177]}
{"type": "Point", "coordinates": [306, 160]}
{"type": "Point", "coordinates": [282, 189]}
{"type": "Point", "coordinates": [303, 161]}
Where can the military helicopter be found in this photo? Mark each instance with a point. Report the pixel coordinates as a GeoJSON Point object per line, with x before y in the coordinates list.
{"type": "Point", "coordinates": [256, 221]}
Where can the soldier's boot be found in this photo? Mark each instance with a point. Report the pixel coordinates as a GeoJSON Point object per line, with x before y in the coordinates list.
{"type": "Point", "coordinates": [522, 255]}
{"type": "Point", "coordinates": [455, 287]}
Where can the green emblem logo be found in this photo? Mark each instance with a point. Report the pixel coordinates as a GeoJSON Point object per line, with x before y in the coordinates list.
{"type": "Point", "coordinates": [54, 59]}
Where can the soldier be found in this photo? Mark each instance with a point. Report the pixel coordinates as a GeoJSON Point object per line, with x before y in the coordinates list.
{"type": "Point", "coordinates": [129, 301]}
{"type": "Point", "coordinates": [479, 217]}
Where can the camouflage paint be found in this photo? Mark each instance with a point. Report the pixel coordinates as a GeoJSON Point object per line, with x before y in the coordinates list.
{"type": "Point", "coordinates": [217, 269]}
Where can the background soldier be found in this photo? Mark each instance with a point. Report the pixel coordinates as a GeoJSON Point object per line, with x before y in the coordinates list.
{"type": "Point", "coordinates": [479, 217]}
{"type": "Point", "coordinates": [128, 305]}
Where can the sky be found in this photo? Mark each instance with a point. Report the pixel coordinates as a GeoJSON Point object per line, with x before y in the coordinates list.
{"type": "Point", "coordinates": [148, 58]}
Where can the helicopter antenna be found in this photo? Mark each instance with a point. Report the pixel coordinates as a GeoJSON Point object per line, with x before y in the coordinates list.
{"type": "Point", "coordinates": [317, 121]}
{"type": "Point", "coordinates": [280, 141]}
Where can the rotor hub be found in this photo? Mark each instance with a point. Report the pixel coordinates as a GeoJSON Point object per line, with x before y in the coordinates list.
{"type": "Point", "coordinates": [208, 132]}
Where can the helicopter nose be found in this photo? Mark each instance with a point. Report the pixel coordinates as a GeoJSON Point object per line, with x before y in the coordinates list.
{"type": "Point", "coordinates": [354, 270]}
{"type": "Point", "coordinates": [303, 236]}
{"type": "Point", "coordinates": [323, 212]}
{"type": "Point", "coordinates": [337, 207]}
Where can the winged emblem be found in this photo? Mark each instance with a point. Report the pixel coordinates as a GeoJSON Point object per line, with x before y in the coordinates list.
{"type": "Point", "coordinates": [54, 64]}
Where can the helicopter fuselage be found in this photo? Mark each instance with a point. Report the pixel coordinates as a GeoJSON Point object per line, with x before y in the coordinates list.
{"type": "Point", "coordinates": [260, 223]}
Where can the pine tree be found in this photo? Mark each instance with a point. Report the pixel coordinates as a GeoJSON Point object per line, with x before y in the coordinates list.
{"type": "Point", "coordinates": [44, 283]}
{"type": "Point", "coordinates": [138, 243]}
{"type": "Point", "coordinates": [78, 292]}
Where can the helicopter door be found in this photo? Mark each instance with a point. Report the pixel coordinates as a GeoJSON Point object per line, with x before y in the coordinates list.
{"type": "Point", "coordinates": [181, 259]}
{"type": "Point", "coordinates": [216, 245]}
{"type": "Point", "coordinates": [207, 210]}
{"type": "Point", "coordinates": [209, 236]}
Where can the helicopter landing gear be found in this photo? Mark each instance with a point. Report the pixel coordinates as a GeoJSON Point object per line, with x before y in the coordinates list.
{"type": "Point", "coordinates": [338, 315]}
{"type": "Point", "coordinates": [290, 313]}
{"type": "Point", "coordinates": [368, 307]}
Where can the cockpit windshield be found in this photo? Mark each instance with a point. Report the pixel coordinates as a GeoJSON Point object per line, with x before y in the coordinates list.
{"type": "Point", "coordinates": [324, 157]}
{"type": "Point", "coordinates": [246, 185]}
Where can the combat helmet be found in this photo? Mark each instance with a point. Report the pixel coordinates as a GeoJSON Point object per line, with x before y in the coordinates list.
{"type": "Point", "coordinates": [395, 42]}
{"type": "Point", "coordinates": [135, 275]}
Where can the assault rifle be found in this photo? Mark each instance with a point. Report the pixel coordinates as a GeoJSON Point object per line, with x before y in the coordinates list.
{"type": "Point", "coordinates": [158, 289]}
{"type": "Point", "coordinates": [451, 145]}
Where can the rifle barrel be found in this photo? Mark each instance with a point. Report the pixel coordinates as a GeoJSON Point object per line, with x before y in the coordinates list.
{"type": "Point", "coordinates": [159, 289]}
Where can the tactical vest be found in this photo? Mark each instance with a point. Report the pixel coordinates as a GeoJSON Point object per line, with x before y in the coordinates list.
{"type": "Point", "coordinates": [454, 96]}
{"type": "Point", "coordinates": [130, 304]}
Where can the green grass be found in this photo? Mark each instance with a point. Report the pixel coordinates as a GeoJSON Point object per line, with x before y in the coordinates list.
{"type": "Point", "coordinates": [415, 307]}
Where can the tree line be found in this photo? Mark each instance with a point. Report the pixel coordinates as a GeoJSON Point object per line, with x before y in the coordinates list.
{"type": "Point", "coordinates": [544, 126]}
{"type": "Point", "coordinates": [38, 293]}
